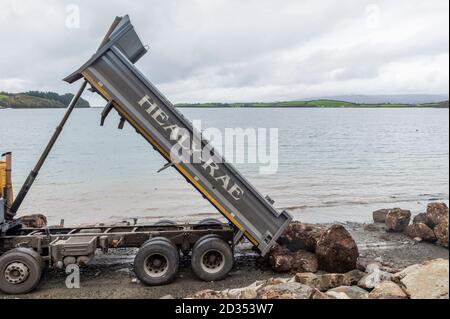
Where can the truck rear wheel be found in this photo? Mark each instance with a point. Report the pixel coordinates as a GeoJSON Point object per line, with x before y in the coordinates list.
{"type": "Point", "coordinates": [212, 258]}
{"type": "Point", "coordinates": [156, 262]}
{"type": "Point", "coordinates": [20, 272]}
{"type": "Point", "coordinates": [160, 239]}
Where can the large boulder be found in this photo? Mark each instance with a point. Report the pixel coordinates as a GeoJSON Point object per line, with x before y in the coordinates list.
{"type": "Point", "coordinates": [208, 294]}
{"type": "Point", "coordinates": [330, 281]}
{"type": "Point", "coordinates": [249, 292]}
{"type": "Point", "coordinates": [353, 277]}
{"type": "Point", "coordinates": [34, 221]}
{"type": "Point", "coordinates": [280, 259]}
{"type": "Point", "coordinates": [290, 290]}
{"type": "Point", "coordinates": [397, 220]}
{"type": "Point", "coordinates": [301, 236]}
{"type": "Point", "coordinates": [317, 294]}
{"type": "Point", "coordinates": [425, 281]}
{"type": "Point", "coordinates": [441, 232]}
{"type": "Point", "coordinates": [363, 262]}
{"type": "Point", "coordinates": [375, 278]}
{"type": "Point", "coordinates": [421, 218]}
{"type": "Point", "coordinates": [348, 292]}
{"type": "Point", "coordinates": [422, 231]}
{"type": "Point", "coordinates": [327, 281]}
{"type": "Point", "coordinates": [283, 260]}
{"type": "Point", "coordinates": [304, 261]}
{"type": "Point", "coordinates": [322, 282]}
{"type": "Point", "coordinates": [336, 250]}
{"type": "Point", "coordinates": [436, 214]}
{"type": "Point", "coordinates": [379, 216]}
{"type": "Point", "coordinates": [277, 280]}
{"type": "Point", "coordinates": [309, 279]}
{"type": "Point", "coordinates": [388, 290]}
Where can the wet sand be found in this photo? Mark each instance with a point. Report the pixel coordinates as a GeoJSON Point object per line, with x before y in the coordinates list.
{"type": "Point", "coordinates": [111, 275]}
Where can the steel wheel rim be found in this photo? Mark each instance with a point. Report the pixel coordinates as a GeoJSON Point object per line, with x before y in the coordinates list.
{"type": "Point", "coordinates": [212, 261]}
{"type": "Point", "coordinates": [16, 273]}
{"type": "Point", "coordinates": [156, 265]}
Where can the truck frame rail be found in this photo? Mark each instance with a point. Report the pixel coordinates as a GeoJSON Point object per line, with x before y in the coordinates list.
{"type": "Point", "coordinates": [113, 236]}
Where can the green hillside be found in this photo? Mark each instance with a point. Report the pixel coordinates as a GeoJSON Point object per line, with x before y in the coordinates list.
{"type": "Point", "coordinates": [36, 99]}
{"type": "Point", "coordinates": [310, 104]}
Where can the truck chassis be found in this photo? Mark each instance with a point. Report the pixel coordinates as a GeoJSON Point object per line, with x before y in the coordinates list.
{"type": "Point", "coordinates": [111, 73]}
{"type": "Point", "coordinates": [210, 244]}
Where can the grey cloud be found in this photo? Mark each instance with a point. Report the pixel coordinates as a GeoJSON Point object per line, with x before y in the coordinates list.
{"type": "Point", "coordinates": [238, 50]}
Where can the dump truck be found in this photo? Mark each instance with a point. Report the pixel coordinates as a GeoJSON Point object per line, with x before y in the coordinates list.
{"type": "Point", "coordinates": [111, 72]}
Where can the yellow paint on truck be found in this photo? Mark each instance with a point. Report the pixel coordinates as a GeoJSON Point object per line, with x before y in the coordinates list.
{"type": "Point", "coordinates": [2, 177]}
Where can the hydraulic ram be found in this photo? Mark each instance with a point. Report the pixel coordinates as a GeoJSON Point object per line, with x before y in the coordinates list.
{"type": "Point", "coordinates": [112, 74]}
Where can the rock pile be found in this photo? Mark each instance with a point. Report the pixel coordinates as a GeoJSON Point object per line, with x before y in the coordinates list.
{"type": "Point", "coordinates": [421, 231]}
{"type": "Point", "coordinates": [34, 221]}
{"type": "Point", "coordinates": [397, 220]}
{"type": "Point", "coordinates": [441, 232]}
{"type": "Point", "coordinates": [301, 236]}
{"type": "Point", "coordinates": [426, 281]}
{"type": "Point", "coordinates": [336, 250]}
{"type": "Point", "coordinates": [388, 290]}
{"type": "Point", "coordinates": [283, 260]}
{"type": "Point", "coordinates": [431, 226]}
{"type": "Point", "coordinates": [429, 280]}
{"type": "Point", "coordinates": [329, 281]}
{"type": "Point", "coordinates": [437, 213]}
{"type": "Point", "coordinates": [379, 216]}
{"type": "Point", "coordinates": [308, 248]}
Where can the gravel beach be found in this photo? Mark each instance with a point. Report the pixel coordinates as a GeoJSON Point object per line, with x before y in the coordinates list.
{"type": "Point", "coordinates": [111, 275]}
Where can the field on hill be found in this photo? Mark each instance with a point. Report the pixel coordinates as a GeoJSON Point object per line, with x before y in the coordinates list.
{"type": "Point", "coordinates": [313, 103]}
{"type": "Point", "coordinates": [35, 99]}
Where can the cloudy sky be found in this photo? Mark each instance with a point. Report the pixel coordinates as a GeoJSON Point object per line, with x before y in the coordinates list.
{"type": "Point", "coordinates": [226, 50]}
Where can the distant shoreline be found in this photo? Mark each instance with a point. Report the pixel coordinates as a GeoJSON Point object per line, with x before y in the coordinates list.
{"type": "Point", "coordinates": [312, 104]}
{"type": "Point", "coordinates": [321, 103]}
{"type": "Point", "coordinates": [315, 107]}
{"type": "Point", "coordinates": [253, 107]}
{"type": "Point", "coordinates": [38, 100]}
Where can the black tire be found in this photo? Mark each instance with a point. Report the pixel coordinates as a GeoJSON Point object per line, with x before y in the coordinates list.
{"type": "Point", "coordinates": [160, 239]}
{"type": "Point", "coordinates": [212, 258]}
{"type": "Point", "coordinates": [165, 222]}
{"type": "Point", "coordinates": [20, 271]}
{"type": "Point", "coordinates": [156, 262]}
{"type": "Point", "coordinates": [30, 252]}
{"type": "Point", "coordinates": [210, 221]}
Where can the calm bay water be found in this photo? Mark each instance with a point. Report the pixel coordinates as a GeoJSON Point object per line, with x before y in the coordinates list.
{"type": "Point", "coordinates": [334, 164]}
